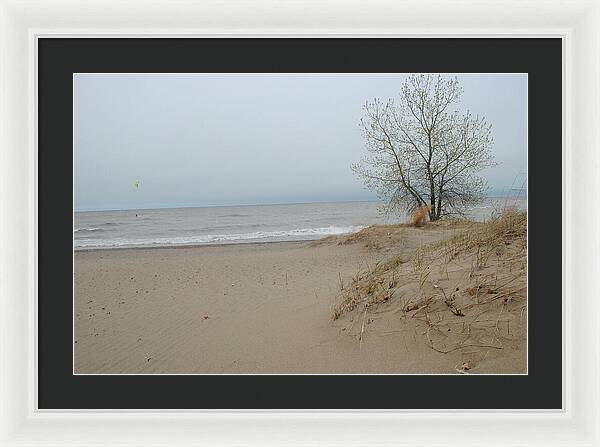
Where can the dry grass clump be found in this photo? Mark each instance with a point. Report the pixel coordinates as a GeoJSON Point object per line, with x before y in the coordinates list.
{"type": "Point", "coordinates": [374, 236]}
{"type": "Point", "coordinates": [370, 287]}
{"type": "Point", "coordinates": [419, 216]}
{"type": "Point", "coordinates": [358, 236]}
{"type": "Point", "coordinates": [510, 223]}
{"type": "Point", "coordinates": [468, 290]}
{"type": "Point", "coordinates": [501, 229]}
{"type": "Point", "coordinates": [394, 236]}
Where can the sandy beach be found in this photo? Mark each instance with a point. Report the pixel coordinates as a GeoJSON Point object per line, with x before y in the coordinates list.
{"type": "Point", "coordinates": [269, 308]}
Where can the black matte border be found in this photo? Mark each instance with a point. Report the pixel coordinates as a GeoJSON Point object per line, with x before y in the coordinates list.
{"type": "Point", "coordinates": [59, 58]}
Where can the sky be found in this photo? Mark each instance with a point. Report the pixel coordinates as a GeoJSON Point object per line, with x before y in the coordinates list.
{"type": "Point", "coordinates": [235, 139]}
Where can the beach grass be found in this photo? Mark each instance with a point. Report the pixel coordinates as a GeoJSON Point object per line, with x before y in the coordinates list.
{"type": "Point", "coordinates": [466, 290]}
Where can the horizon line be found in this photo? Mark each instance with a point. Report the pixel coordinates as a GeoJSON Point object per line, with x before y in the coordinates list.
{"type": "Point", "coordinates": [170, 207]}
{"type": "Point", "coordinates": [159, 207]}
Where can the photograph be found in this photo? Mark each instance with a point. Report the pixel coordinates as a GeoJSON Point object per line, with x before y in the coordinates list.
{"type": "Point", "coordinates": [300, 223]}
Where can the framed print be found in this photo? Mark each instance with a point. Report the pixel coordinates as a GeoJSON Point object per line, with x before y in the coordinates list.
{"type": "Point", "coordinates": [349, 235]}
{"type": "Point", "coordinates": [304, 278]}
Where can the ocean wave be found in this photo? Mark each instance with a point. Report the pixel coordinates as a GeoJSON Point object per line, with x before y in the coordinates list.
{"type": "Point", "coordinates": [234, 215]}
{"type": "Point", "coordinates": [87, 230]}
{"type": "Point", "coordinates": [281, 235]}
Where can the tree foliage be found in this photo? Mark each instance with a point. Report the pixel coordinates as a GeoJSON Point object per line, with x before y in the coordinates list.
{"type": "Point", "coordinates": [422, 152]}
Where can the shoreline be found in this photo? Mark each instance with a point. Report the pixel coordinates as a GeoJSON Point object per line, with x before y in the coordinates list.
{"type": "Point", "coordinates": [178, 246]}
{"type": "Point", "coordinates": [168, 232]}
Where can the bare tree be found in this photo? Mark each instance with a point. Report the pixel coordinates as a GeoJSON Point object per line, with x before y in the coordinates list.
{"type": "Point", "coordinates": [422, 153]}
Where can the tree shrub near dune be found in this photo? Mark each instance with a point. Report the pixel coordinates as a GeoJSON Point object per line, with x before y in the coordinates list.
{"type": "Point", "coordinates": [421, 150]}
{"type": "Point", "coordinates": [419, 216]}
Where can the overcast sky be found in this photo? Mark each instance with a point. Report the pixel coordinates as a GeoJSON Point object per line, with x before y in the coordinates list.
{"type": "Point", "coordinates": [199, 140]}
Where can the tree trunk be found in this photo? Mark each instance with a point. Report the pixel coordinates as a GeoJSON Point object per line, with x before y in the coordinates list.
{"type": "Point", "coordinates": [433, 214]}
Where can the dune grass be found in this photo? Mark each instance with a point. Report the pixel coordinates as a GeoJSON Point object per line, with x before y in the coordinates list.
{"type": "Point", "coordinates": [468, 290]}
{"type": "Point", "coordinates": [475, 247]}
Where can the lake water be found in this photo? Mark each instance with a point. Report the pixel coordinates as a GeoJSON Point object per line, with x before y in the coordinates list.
{"type": "Point", "coordinates": [237, 224]}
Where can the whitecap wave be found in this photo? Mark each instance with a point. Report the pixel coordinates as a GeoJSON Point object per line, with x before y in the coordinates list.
{"type": "Point", "coordinates": [257, 236]}
{"type": "Point", "coordinates": [87, 230]}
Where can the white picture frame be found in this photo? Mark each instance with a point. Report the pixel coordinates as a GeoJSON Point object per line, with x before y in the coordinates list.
{"type": "Point", "coordinates": [577, 23]}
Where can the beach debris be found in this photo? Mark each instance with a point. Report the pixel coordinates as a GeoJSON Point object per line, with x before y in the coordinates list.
{"type": "Point", "coordinates": [457, 312]}
{"type": "Point", "coordinates": [205, 317]}
{"type": "Point", "coordinates": [464, 367]}
{"type": "Point", "coordinates": [419, 304]}
{"type": "Point", "coordinates": [450, 301]}
{"type": "Point", "coordinates": [362, 330]}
